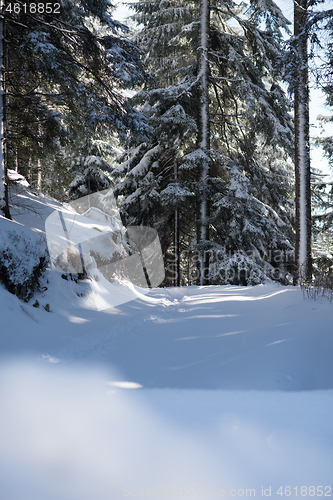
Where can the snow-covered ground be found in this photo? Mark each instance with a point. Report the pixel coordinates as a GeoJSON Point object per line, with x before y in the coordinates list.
{"type": "Point", "coordinates": [187, 392]}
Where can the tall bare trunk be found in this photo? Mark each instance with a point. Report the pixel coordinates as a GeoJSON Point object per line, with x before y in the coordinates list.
{"type": "Point", "coordinates": [177, 249]}
{"type": "Point", "coordinates": [303, 253]}
{"type": "Point", "coordinates": [204, 137]}
{"type": "Point", "coordinates": [2, 156]}
{"type": "Point", "coordinates": [4, 204]}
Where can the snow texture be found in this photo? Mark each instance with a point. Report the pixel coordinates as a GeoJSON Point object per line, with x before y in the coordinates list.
{"type": "Point", "coordinates": [200, 387]}
{"type": "Point", "coordinates": [190, 392]}
{"type": "Point", "coordinates": [14, 176]}
{"type": "Point", "coordinates": [174, 193]}
{"type": "Point", "coordinates": [21, 252]}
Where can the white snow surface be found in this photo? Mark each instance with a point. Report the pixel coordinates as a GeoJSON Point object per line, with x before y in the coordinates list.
{"type": "Point", "coordinates": [21, 250]}
{"type": "Point", "coordinates": [181, 392]}
{"type": "Point", "coordinates": [16, 177]}
{"type": "Point", "coordinates": [234, 392]}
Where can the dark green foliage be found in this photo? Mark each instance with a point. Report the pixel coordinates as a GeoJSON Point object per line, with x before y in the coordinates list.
{"type": "Point", "coordinates": [64, 80]}
{"type": "Point", "coordinates": [250, 186]}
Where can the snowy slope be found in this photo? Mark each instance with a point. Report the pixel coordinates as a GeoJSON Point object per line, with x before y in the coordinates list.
{"type": "Point", "coordinates": [190, 392]}
{"type": "Point", "coordinates": [70, 430]}
{"type": "Point", "coordinates": [245, 338]}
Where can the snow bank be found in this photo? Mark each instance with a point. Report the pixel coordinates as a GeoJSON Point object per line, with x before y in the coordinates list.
{"type": "Point", "coordinates": [17, 178]}
{"type": "Point", "coordinates": [23, 254]}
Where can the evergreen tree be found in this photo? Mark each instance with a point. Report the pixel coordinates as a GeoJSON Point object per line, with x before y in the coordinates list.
{"type": "Point", "coordinates": [322, 190]}
{"type": "Point", "coordinates": [248, 114]}
{"type": "Point", "coordinates": [68, 66]}
{"type": "Point", "coordinates": [309, 25]}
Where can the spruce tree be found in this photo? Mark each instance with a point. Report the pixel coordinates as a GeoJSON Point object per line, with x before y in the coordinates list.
{"type": "Point", "coordinates": [68, 67]}
{"type": "Point", "coordinates": [248, 115]}
{"type": "Point", "coordinates": [322, 191]}
{"type": "Point", "coordinates": [309, 25]}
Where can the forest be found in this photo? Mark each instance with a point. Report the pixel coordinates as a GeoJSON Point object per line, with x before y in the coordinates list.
{"type": "Point", "coordinates": [195, 114]}
{"type": "Point", "coordinates": [166, 256]}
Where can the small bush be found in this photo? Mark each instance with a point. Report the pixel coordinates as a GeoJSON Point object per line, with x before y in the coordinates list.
{"type": "Point", "coordinates": [23, 257]}
{"type": "Point", "coordinates": [321, 285]}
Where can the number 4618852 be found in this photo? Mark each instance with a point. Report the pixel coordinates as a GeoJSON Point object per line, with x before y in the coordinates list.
{"type": "Point", "coordinates": [33, 8]}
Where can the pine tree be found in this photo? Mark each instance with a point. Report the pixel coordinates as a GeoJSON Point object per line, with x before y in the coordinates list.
{"type": "Point", "coordinates": [248, 113]}
{"type": "Point", "coordinates": [308, 26]}
{"type": "Point", "coordinates": [322, 191]}
{"type": "Point", "coordinates": [67, 71]}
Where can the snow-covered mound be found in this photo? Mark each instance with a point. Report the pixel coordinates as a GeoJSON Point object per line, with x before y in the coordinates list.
{"type": "Point", "coordinates": [17, 178]}
{"type": "Point", "coordinates": [23, 255]}
{"type": "Point", "coordinates": [86, 237]}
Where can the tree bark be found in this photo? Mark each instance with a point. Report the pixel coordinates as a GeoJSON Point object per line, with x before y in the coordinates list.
{"type": "Point", "coordinates": [177, 249]}
{"type": "Point", "coordinates": [203, 139]}
{"type": "Point", "coordinates": [4, 202]}
{"type": "Point", "coordinates": [303, 252]}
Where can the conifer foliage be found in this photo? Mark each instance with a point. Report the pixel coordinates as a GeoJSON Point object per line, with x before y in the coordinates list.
{"type": "Point", "coordinates": [206, 143]}
{"type": "Point", "coordinates": [217, 108]}
{"type": "Point", "coordinates": [322, 189]}
{"type": "Point", "coordinates": [67, 64]}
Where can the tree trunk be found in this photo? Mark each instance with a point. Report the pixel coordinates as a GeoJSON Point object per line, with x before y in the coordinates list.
{"type": "Point", "coordinates": [4, 204]}
{"type": "Point", "coordinates": [303, 254]}
{"type": "Point", "coordinates": [177, 250]}
{"type": "Point", "coordinates": [203, 139]}
{"type": "Point", "coordinates": [2, 162]}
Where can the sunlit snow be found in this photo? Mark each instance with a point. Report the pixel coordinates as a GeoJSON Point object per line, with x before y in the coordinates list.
{"type": "Point", "coordinates": [189, 392]}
